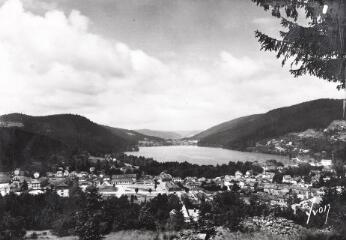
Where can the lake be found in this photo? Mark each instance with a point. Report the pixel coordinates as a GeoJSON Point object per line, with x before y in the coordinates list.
{"type": "Point", "coordinates": [203, 155]}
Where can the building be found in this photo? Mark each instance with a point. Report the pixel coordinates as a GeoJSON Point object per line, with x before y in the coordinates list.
{"type": "Point", "coordinates": [122, 179]}
{"type": "Point", "coordinates": [34, 184]}
{"type": "Point", "coordinates": [177, 179]}
{"type": "Point", "coordinates": [288, 179]}
{"type": "Point", "coordinates": [171, 187]}
{"type": "Point", "coordinates": [268, 176]}
{"type": "Point", "coordinates": [4, 183]}
{"type": "Point", "coordinates": [108, 191]}
{"type": "Point", "coordinates": [326, 163]}
{"type": "Point", "coordinates": [238, 175]}
{"type": "Point", "coordinates": [165, 177]}
{"type": "Point", "coordinates": [62, 190]}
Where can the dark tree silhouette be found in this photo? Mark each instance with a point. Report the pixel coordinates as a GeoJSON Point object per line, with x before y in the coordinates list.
{"type": "Point", "coordinates": [89, 219]}
{"type": "Point", "coordinates": [316, 48]}
{"type": "Point", "coordinates": [24, 187]}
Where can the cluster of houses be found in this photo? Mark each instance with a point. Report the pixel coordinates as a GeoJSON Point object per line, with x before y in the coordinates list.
{"type": "Point", "coordinates": [17, 182]}
{"type": "Point", "coordinates": [7, 124]}
{"type": "Point", "coordinates": [282, 146]}
{"type": "Point", "coordinates": [176, 142]}
{"type": "Point", "coordinates": [293, 143]}
{"type": "Point", "coordinates": [61, 181]}
{"type": "Point", "coordinates": [145, 187]}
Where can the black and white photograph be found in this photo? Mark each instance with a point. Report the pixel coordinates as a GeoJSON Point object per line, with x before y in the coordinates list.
{"type": "Point", "coordinates": [173, 119]}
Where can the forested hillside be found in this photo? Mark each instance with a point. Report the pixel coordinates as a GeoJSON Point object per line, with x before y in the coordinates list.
{"type": "Point", "coordinates": [246, 131]}
{"type": "Point", "coordinates": [26, 139]}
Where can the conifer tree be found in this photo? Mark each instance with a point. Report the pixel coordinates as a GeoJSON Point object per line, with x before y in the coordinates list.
{"type": "Point", "coordinates": [313, 39]}
{"type": "Point", "coordinates": [89, 219]}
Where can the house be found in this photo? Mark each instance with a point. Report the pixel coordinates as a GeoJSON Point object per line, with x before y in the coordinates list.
{"type": "Point", "coordinates": [288, 179]}
{"type": "Point", "coordinates": [270, 188]}
{"type": "Point", "coordinates": [241, 184]}
{"type": "Point", "coordinates": [106, 178]}
{"type": "Point", "coordinates": [145, 183]}
{"type": "Point", "coordinates": [278, 201]}
{"type": "Point", "coordinates": [18, 177]}
{"type": "Point", "coordinates": [326, 163]}
{"type": "Point", "coordinates": [35, 191]}
{"type": "Point", "coordinates": [165, 177]}
{"type": "Point", "coordinates": [238, 175]}
{"type": "Point", "coordinates": [249, 173]}
{"type": "Point", "coordinates": [177, 179]}
{"type": "Point", "coordinates": [62, 190]}
{"type": "Point", "coordinates": [171, 187]}
{"type": "Point", "coordinates": [59, 174]}
{"type": "Point", "coordinates": [4, 183]}
{"type": "Point", "coordinates": [194, 186]}
{"type": "Point", "coordinates": [34, 184]}
{"type": "Point", "coordinates": [103, 183]}
{"type": "Point", "coordinates": [84, 185]}
{"type": "Point", "coordinates": [123, 179]}
{"type": "Point", "coordinates": [82, 174]}
{"type": "Point", "coordinates": [108, 191]}
{"type": "Point", "coordinates": [66, 173]}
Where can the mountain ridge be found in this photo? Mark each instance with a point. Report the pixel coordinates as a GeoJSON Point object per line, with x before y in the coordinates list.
{"type": "Point", "coordinates": [62, 134]}
{"type": "Point", "coordinates": [166, 134]}
{"type": "Point", "coordinates": [244, 132]}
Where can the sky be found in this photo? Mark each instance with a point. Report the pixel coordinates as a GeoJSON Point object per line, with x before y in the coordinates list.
{"type": "Point", "coordinates": [156, 64]}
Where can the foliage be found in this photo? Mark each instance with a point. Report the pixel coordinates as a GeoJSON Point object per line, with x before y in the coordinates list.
{"type": "Point", "coordinates": [185, 169]}
{"type": "Point", "coordinates": [88, 223]}
{"type": "Point", "coordinates": [316, 48]}
{"type": "Point", "coordinates": [226, 209]}
{"type": "Point", "coordinates": [177, 220]}
{"type": "Point", "coordinates": [11, 228]}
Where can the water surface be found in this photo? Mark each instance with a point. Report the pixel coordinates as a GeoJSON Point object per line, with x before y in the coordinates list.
{"type": "Point", "coordinates": [203, 155]}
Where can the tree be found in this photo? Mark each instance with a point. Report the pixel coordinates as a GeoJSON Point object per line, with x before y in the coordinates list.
{"type": "Point", "coordinates": [316, 48]}
{"type": "Point", "coordinates": [177, 220]}
{"type": "Point", "coordinates": [235, 187]}
{"type": "Point", "coordinates": [89, 219]}
{"type": "Point", "coordinates": [11, 228]}
{"type": "Point", "coordinates": [24, 187]}
{"type": "Point", "coordinates": [174, 202]}
{"type": "Point", "coordinates": [146, 218]}
{"type": "Point", "coordinates": [278, 178]}
{"type": "Point", "coordinates": [228, 209]}
{"type": "Point", "coordinates": [292, 199]}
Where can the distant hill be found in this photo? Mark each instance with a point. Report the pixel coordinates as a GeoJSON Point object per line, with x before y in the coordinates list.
{"type": "Point", "coordinates": [244, 132]}
{"type": "Point", "coordinates": [133, 134]}
{"type": "Point", "coordinates": [26, 138]}
{"type": "Point", "coordinates": [188, 134]}
{"type": "Point", "coordinates": [167, 134]}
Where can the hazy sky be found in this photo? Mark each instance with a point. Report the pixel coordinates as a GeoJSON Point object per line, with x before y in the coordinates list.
{"type": "Point", "coordinates": [158, 64]}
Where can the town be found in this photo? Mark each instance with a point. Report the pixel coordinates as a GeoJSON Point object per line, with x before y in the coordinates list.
{"type": "Point", "coordinates": [276, 185]}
